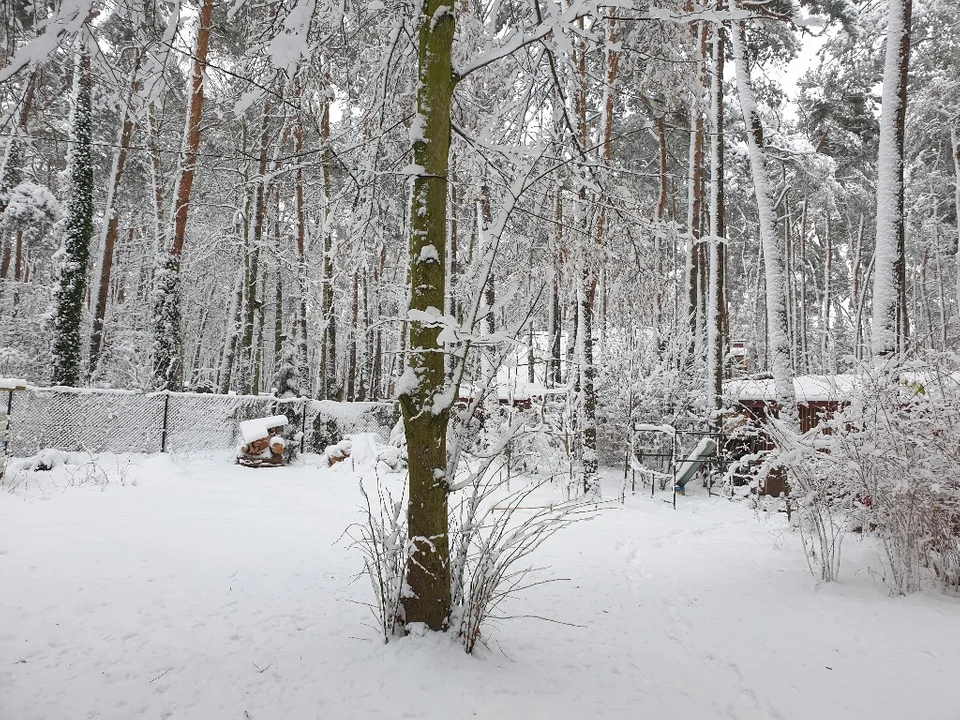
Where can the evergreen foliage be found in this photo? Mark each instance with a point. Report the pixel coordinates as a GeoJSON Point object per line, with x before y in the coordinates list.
{"type": "Point", "coordinates": [167, 365]}
{"type": "Point", "coordinates": [78, 231]}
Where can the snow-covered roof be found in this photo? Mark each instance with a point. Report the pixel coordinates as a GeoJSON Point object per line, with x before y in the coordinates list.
{"type": "Point", "coordinates": [517, 390]}
{"type": "Point", "coordinates": [833, 388]}
{"type": "Point", "coordinates": [808, 388]}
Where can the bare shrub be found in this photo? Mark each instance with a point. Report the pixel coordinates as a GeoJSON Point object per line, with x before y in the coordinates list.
{"type": "Point", "coordinates": [382, 540]}
{"type": "Point", "coordinates": [494, 565]}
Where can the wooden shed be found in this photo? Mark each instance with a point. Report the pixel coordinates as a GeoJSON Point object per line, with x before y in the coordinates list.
{"type": "Point", "coordinates": [818, 398]}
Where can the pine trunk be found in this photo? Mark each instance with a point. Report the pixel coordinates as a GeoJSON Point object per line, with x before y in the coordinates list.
{"type": "Point", "coordinates": [111, 228]}
{"type": "Point", "coordinates": [955, 140]}
{"type": "Point", "coordinates": [168, 341]}
{"type": "Point", "coordinates": [328, 350]}
{"type": "Point", "coordinates": [773, 256]}
{"type": "Point", "coordinates": [890, 328]}
{"type": "Point", "coordinates": [715, 266]}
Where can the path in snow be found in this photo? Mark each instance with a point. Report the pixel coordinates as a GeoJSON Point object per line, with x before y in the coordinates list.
{"type": "Point", "coordinates": [210, 591]}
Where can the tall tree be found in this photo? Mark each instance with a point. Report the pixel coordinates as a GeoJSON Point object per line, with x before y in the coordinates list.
{"type": "Point", "coordinates": [425, 413]}
{"type": "Point", "coordinates": [111, 225]}
{"type": "Point", "coordinates": [168, 341]}
{"type": "Point", "coordinates": [68, 316]}
{"type": "Point", "coordinates": [773, 253]}
{"type": "Point", "coordinates": [955, 146]}
{"type": "Point", "coordinates": [715, 297]}
{"type": "Point", "coordinates": [890, 326]}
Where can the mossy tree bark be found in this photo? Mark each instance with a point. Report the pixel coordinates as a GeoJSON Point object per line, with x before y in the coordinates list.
{"type": "Point", "coordinates": [426, 409]}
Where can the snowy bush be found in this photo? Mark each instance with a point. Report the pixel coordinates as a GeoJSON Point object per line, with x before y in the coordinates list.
{"type": "Point", "coordinates": [822, 503]}
{"type": "Point", "coordinates": [899, 447]}
{"type": "Point", "coordinates": [491, 538]}
{"type": "Point", "coordinates": [887, 465]}
{"type": "Point", "coordinates": [60, 468]}
{"type": "Point", "coordinates": [29, 208]}
{"type": "Point", "coordinates": [382, 540]}
{"type": "Point", "coordinates": [328, 422]}
{"type": "Point", "coordinates": [492, 544]}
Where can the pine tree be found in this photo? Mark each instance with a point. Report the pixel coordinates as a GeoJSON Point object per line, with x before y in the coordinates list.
{"type": "Point", "coordinates": [890, 328]}
{"type": "Point", "coordinates": [167, 362]}
{"type": "Point", "coordinates": [68, 317]}
{"type": "Point", "coordinates": [773, 253]}
{"type": "Point", "coordinates": [287, 377]}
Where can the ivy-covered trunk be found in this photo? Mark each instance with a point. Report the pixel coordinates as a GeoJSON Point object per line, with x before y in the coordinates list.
{"type": "Point", "coordinates": [426, 408]}
{"type": "Point", "coordinates": [79, 231]}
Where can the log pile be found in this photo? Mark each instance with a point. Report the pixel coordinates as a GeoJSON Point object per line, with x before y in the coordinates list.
{"type": "Point", "coordinates": [262, 444]}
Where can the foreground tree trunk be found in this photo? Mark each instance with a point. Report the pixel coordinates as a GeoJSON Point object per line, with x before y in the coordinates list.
{"type": "Point", "coordinates": [79, 232]}
{"type": "Point", "coordinates": [167, 360]}
{"type": "Point", "coordinates": [890, 328]}
{"type": "Point", "coordinates": [425, 415]}
{"type": "Point", "coordinates": [773, 256]}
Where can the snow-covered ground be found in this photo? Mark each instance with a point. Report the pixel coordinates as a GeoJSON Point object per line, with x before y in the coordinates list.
{"type": "Point", "coordinates": [199, 589]}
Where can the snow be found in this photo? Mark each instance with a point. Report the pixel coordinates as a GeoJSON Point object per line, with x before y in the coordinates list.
{"type": "Point", "coordinates": [889, 185]}
{"type": "Point", "coordinates": [705, 448]}
{"type": "Point", "coordinates": [291, 44]}
{"type": "Point", "coordinates": [28, 203]}
{"type": "Point", "coordinates": [259, 428]}
{"type": "Point", "coordinates": [12, 384]}
{"type": "Point", "coordinates": [202, 589]}
{"type": "Point", "coordinates": [808, 388]}
{"type": "Point", "coordinates": [647, 427]}
{"type": "Point", "coordinates": [428, 253]}
{"type": "Point", "coordinates": [408, 383]}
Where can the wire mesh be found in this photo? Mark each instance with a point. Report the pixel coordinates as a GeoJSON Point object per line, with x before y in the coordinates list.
{"type": "Point", "coordinates": [127, 421]}
{"type": "Point", "coordinates": [85, 420]}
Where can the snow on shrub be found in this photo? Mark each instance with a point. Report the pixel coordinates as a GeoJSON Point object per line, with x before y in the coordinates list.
{"type": "Point", "coordinates": [887, 465]}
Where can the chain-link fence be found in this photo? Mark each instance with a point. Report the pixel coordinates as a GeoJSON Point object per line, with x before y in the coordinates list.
{"type": "Point", "coordinates": [127, 421]}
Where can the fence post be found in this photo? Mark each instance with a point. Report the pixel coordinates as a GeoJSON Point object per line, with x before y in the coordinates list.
{"type": "Point", "coordinates": [5, 434]}
{"type": "Point", "coordinates": [163, 430]}
{"type": "Point", "coordinates": [303, 425]}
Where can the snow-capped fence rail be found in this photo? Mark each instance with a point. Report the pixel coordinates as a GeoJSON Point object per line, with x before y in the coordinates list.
{"type": "Point", "coordinates": [91, 420]}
